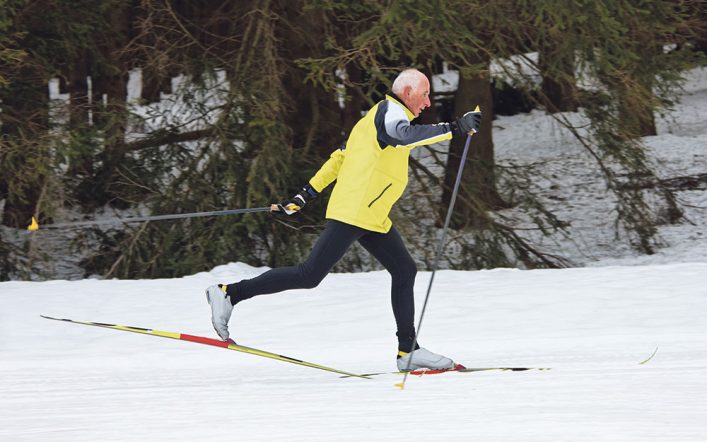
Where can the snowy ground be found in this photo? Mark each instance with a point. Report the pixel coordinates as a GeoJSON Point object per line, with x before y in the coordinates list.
{"type": "Point", "coordinates": [592, 326]}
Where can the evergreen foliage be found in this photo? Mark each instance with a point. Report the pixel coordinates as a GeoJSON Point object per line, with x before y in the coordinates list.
{"type": "Point", "coordinates": [271, 87]}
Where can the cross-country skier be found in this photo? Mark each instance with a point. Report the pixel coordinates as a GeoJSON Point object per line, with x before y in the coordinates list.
{"type": "Point", "coordinates": [371, 173]}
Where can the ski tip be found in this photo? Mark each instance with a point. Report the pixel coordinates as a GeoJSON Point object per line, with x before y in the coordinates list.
{"type": "Point", "coordinates": [649, 357]}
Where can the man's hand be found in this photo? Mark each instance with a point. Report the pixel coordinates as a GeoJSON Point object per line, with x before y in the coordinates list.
{"type": "Point", "coordinates": [469, 123]}
{"type": "Point", "coordinates": [297, 202]}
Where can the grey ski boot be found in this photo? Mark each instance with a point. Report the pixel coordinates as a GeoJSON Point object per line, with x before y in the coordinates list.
{"type": "Point", "coordinates": [221, 309]}
{"type": "Point", "coordinates": [423, 359]}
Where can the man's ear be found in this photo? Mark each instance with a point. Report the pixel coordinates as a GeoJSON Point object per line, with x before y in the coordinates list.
{"type": "Point", "coordinates": [406, 91]}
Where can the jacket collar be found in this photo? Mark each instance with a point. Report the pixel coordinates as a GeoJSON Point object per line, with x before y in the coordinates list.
{"type": "Point", "coordinates": [394, 98]}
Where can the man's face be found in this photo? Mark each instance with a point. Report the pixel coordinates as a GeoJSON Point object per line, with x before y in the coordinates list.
{"type": "Point", "coordinates": [417, 99]}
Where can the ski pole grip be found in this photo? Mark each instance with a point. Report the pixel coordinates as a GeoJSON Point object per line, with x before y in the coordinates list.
{"type": "Point", "coordinates": [476, 109]}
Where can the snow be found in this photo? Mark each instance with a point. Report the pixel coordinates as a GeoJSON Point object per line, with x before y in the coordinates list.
{"type": "Point", "coordinates": [592, 326]}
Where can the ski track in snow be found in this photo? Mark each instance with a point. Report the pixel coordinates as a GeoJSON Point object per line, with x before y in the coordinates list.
{"type": "Point", "coordinates": [592, 326]}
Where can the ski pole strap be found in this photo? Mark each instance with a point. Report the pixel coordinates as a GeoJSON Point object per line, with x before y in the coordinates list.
{"type": "Point", "coordinates": [139, 219]}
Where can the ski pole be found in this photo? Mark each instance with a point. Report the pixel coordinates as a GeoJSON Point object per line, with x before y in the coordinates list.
{"type": "Point", "coordinates": [438, 254]}
{"type": "Point", "coordinates": [137, 219]}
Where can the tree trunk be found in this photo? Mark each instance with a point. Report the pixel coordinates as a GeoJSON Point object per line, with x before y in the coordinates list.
{"type": "Point", "coordinates": [478, 180]}
{"type": "Point", "coordinates": [637, 100]}
{"type": "Point", "coordinates": [96, 190]}
{"type": "Point", "coordinates": [356, 104]}
{"type": "Point", "coordinates": [558, 80]}
{"type": "Point", "coordinates": [23, 159]}
{"type": "Point", "coordinates": [636, 113]}
{"type": "Point", "coordinates": [153, 84]}
{"type": "Point", "coordinates": [313, 114]}
{"type": "Point", "coordinates": [111, 116]}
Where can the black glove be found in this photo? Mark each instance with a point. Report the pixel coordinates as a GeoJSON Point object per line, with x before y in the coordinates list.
{"type": "Point", "coordinates": [297, 202]}
{"type": "Point", "coordinates": [470, 122]}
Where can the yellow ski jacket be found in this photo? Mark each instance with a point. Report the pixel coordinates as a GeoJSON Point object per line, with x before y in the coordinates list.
{"type": "Point", "coordinates": [371, 170]}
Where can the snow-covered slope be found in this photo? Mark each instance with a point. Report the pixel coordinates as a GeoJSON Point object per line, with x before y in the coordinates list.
{"type": "Point", "coordinates": [571, 185]}
{"type": "Point", "coordinates": [592, 326]}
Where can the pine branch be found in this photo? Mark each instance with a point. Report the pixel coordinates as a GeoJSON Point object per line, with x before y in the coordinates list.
{"type": "Point", "coordinates": [163, 136]}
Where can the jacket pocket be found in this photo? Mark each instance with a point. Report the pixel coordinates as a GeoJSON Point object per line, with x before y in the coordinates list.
{"type": "Point", "coordinates": [380, 195]}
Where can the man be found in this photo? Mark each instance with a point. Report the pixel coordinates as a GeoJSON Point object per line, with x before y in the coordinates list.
{"type": "Point", "coordinates": [371, 173]}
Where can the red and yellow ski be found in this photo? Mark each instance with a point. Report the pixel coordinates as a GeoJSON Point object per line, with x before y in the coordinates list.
{"type": "Point", "coordinates": [210, 341]}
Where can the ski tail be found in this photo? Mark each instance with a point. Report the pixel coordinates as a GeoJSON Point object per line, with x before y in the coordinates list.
{"type": "Point", "coordinates": [209, 341]}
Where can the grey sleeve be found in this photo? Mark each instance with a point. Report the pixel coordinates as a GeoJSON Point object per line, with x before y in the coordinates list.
{"type": "Point", "coordinates": [394, 128]}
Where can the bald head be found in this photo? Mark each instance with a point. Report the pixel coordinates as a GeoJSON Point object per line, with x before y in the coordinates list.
{"type": "Point", "coordinates": [413, 87]}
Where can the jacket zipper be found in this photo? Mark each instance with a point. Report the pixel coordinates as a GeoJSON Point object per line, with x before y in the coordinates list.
{"type": "Point", "coordinates": [381, 194]}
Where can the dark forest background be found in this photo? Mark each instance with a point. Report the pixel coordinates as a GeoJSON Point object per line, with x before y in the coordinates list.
{"type": "Point", "coordinates": [274, 86]}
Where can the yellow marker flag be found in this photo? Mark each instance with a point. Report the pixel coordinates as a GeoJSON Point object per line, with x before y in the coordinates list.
{"type": "Point", "coordinates": [34, 225]}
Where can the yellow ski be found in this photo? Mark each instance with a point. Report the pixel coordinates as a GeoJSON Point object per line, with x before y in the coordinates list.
{"type": "Point", "coordinates": [210, 341]}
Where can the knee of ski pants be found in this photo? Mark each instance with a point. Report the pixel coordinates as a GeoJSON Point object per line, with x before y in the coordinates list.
{"type": "Point", "coordinates": [310, 277]}
{"type": "Point", "coordinates": [405, 270]}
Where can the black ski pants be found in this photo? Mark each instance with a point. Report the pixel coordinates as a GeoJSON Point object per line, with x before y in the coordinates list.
{"type": "Point", "coordinates": [387, 248]}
